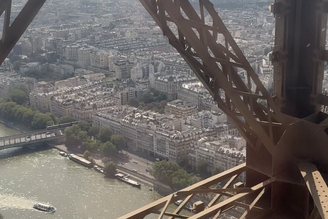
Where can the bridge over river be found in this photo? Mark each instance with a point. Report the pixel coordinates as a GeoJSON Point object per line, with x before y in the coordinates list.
{"type": "Point", "coordinates": [29, 139]}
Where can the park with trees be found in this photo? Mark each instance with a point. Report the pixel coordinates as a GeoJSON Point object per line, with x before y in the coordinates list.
{"type": "Point", "coordinates": [152, 100]}
{"type": "Point", "coordinates": [110, 169]}
{"type": "Point", "coordinates": [16, 111]}
{"type": "Point", "coordinates": [172, 174]}
{"type": "Point", "coordinates": [24, 116]}
{"type": "Point", "coordinates": [93, 140]}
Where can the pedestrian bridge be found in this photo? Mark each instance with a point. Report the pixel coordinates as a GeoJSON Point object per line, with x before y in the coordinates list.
{"type": "Point", "coordinates": [29, 139]}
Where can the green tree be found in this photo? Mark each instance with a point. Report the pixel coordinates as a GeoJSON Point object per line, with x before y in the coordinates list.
{"type": "Point", "coordinates": [92, 160]}
{"type": "Point", "coordinates": [52, 58]}
{"type": "Point", "coordinates": [147, 98]}
{"type": "Point", "coordinates": [82, 136]}
{"type": "Point", "coordinates": [183, 162]}
{"type": "Point", "coordinates": [86, 154]}
{"type": "Point", "coordinates": [17, 65]}
{"type": "Point", "coordinates": [202, 168]}
{"type": "Point", "coordinates": [15, 58]}
{"type": "Point", "coordinates": [41, 121]}
{"type": "Point", "coordinates": [65, 119]}
{"type": "Point", "coordinates": [110, 169]}
{"type": "Point", "coordinates": [53, 117]}
{"type": "Point", "coordinates": [22, 87]}
{"type": "Point", "coordinates": [7, 110]}
{"type": "Point", "coordinates": [28, 117]}
{"type": "Point", "coordinates": [180, 179]}
{"type": "Point", "coordinates": [71, 135]}
{"type": "Point", "coordinates": [94, 131]}
{"type": "Point", "coordinates": [108, 149]}
{"type": "Point", "coordinates": [18, 96]}
{"type": "Point", "coordinates": [91, 145]}
{"type": "Point", "coordinates": [19, 115]}
{"type": "Point", "coordinates": [104, 134]}
{"type": "Point", "coordinates": [84, 126]}
{"type": "Point", "coordinates": [133, 102]}
{"type": "Point", "coordinates": [141, 105]}
{"type": "Point", "coordinates": [118, 141]}
{"type": "Point", "coordinates": [171, 174]}
{"type": "Point", "coordinates": [15, 110]}
{"type": "Point", "coordinates": [217, 171]}
{"type": "Point", "coordinates": [163, 171]}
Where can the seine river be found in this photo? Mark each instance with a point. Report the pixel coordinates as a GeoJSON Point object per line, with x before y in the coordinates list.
{"type": "Point", "coordinates": [27, 177]}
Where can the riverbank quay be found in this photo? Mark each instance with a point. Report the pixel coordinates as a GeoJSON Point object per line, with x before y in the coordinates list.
{"type": "Point", "coordinates": [15, 127]}
{"type": "Point", "coordinates": [156, 185]}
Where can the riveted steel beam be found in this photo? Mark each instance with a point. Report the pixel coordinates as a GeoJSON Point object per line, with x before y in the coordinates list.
{"type": "Point", "coordinates": [12, 33]}
{"type": "Point", "coordinates": [317, 187]}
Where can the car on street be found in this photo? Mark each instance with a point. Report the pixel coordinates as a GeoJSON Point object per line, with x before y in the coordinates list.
{"type": "Point", "coordinates": [134, 170]}
{"type": "Point", "coordinates": [136, 162]}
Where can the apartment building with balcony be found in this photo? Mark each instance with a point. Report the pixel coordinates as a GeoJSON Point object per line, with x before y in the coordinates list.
{"type": "Point", "coordinates": [180, 108]}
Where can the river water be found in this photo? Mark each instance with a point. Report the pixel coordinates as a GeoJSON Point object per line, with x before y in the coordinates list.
{"type": "Point", "coordinates": [27, 177]}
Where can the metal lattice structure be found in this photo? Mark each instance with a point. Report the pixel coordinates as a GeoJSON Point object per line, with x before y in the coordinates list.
{"type": "Point", "coordinates": [13, 30]}
{"type": "Point", "coordinates": [287, 153]}
{"type": "Point", "coordinates": [286, 134]}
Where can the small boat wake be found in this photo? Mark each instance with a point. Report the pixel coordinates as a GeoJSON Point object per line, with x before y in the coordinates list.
{"type": "Point", "coordinates": [15, 202]}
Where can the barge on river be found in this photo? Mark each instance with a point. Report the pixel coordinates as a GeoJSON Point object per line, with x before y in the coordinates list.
{"type": "Point", "coordinates": [80, 160]}
{"type": "Point", "coordinates": [125, 179]}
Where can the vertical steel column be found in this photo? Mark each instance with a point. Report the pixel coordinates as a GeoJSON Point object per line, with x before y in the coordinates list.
{"type": "Point", "coordinates": [300, 37]}
{"type": "Point", "coordinates": [298, 70]}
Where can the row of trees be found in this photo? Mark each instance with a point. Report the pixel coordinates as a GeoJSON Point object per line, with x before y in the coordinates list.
{"type": "Point", "coordinates": [19, 94]}
{"type": "Point", "coordinates": [12, 112]}
{"type": "Point", "coordinates": [31, 119]}
{"type": "Point", "coordinates": [171, 174]}
{"type": "Point", "coordinates": [47, 74]}
{"type": "Point", "coordinates": [202, 168]}
{"type": "Point", "coordinates": [110, 169]}
{"type": "Point", "coordinates": [152, 100]}
{"type": "Point", "coordinates": [175, 175]}
{"type": "Point", "coordinates": [93, 139]}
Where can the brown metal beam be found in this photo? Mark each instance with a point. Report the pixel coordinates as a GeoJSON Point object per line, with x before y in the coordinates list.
{"type": "Point", "coordinates": [317, 187]}
{"type": "Point", "coordinates": [243, 216]}
{"type": "Point", "coordinates": [3, 6]}
{"type": "Point", "coordinates": [219, 191]}
{"type": "Point", "coordinates": [212, 211]}
{"type": "Point", "coordinates": [19, 25]}
{"type": "Point", "coordinates": [217, 197]}
{"type": "Point", "coordinates": [148, 209]}
{"type": "Point", "coordinates": [6, 20]}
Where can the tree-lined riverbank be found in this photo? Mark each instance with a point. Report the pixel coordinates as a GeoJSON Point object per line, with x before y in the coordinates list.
{"type": "Point", "coordinates": [150, 182]}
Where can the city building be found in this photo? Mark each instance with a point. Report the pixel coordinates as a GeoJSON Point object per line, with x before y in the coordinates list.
{"type": "Point", "coordinates": [71, 52]}
{"type": "Point", "coordinates": [180, 108]}
{"type": "Point", "coordinates": [150, 132]}
{"type": "Point", "coordinates": [83, 57]}
{"type": "Point", "coordinates": [217, 153]}
{"type": "Point", "coordinates": [99, 59]}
